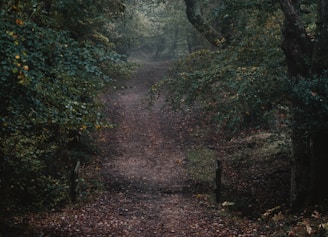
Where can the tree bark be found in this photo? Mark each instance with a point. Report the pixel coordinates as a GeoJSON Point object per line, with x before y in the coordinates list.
{"type": "Point", "coordinates": [296, 44]}
{"type": "Point", "coordinates": [298, 51]}
{"type": "Point", "coordinates": [301, 164]}
{"type": "Point", "coordinates": [320, 54]}
{"type": "Point", "coordinates": [195, 18]}
{"type": "Point", "coordinates": [319, 141]}
{"type": "Point", "coordinates": [319, 164]}
{"type": "Point", "coordinates": [305, 59]}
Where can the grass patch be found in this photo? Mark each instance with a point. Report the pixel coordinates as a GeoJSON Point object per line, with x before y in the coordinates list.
{"type": "Point", "coordinates": [256, 173]}
{"type": "Point", "coordinates": [201, 164]}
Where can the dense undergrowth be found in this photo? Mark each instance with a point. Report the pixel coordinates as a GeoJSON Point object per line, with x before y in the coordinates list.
{"type": "Point", "coordinates": [254, 182]}
{"type": "Point", "coordinates": [243, 86]}
{"type": "Point", "coordinates": [239, 85]}
{"type": "Point", "coordinates": [51, 77]}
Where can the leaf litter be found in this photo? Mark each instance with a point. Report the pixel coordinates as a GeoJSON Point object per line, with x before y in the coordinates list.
{"type": "Point", "coordinates": [148, 191]}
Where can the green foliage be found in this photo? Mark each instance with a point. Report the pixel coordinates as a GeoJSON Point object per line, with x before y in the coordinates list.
{"type": "Point", "coordinates": [157, 30]}
{"type": "Point", "coordinates": [237, 85]}
{"type": "Point", "coordinates": [310, 97]}
{"type": "Point", "coordinates": [201, 165]}
{"type": "Point", "coordinates": [49, 84]}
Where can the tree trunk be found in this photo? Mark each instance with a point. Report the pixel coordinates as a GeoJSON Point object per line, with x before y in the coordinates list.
{"type": "Point", "coordinates": [296, 44]}
{"type": "Point", "coordinates": [304, 59]}
{"type": "Point", "coordinates": [195, 18]}
{"type": "Point", "coordinates": [320, 54]}
{"type": "Point", "coordinates": [319, 138]}
{"type": "Point", "coordinates": [301, 164]}
{"type": "Point", "coordinates": [319, 165]}
{"type": "Point", "coordinates": [298, 51]}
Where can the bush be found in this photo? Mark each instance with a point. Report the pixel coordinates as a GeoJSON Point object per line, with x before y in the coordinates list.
{"type": "Point", "coordinates": [49, 85]}
{"type": "Point", "coordinates": [310, 97]}
{"type": "Point", "coordinates": [237, 85]}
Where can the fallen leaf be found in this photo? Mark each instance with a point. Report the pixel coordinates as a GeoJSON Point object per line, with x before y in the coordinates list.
{"type": "Point", "coordinates": [226, 204]}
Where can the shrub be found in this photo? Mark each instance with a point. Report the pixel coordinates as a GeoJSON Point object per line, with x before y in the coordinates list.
{"type": "Point", "coordinates": [49, 84]}
{"type": "Point", "coordinates": [237, 85]}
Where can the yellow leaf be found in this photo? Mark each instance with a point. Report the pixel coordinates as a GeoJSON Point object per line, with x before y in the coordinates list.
{"type": "Point", "coordinates": [226, 203]}
{"type": "Point", "coordinates": [278, 217]}
{"type": "Point", "coordinates": [270, 211]}
{"type": "Point", "coordinates": [308, 229]}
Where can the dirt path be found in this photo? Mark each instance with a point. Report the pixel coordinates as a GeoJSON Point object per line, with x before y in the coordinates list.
{"type": "Point", "coordinates": [147, 171]}
{"type": "Point", "coordinates": [147, 187]}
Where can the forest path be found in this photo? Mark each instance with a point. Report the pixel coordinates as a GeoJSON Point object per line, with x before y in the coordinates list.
{"type": "Point", "coordinates": [147, 189]}
{"type": "Point", "coordinates": [146, 175]}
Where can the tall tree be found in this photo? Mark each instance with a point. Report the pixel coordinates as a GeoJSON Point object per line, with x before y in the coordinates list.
{"type": "Point", "coordinates": [307, 62]}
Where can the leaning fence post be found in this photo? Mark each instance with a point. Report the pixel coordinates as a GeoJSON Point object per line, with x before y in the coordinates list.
{"type": "Point", "coordinates": [74, 180]}
{"type": "Point", "coordinates": [218, 180]}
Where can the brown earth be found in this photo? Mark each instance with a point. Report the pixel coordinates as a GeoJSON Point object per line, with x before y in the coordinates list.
{"type": "Point", "coordinates": [147, 188]}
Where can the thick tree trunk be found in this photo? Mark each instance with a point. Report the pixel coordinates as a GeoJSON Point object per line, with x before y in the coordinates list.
{"type": "Point", "coordinates": [304, 59]}
{"type": "Point", "coordinates": [309, 163]}
{"type": "Point", "coordinates": [298, 50]}
{"type": "Point", "coordinates": [320, 54]}
{"type": "Point", "coordinates": [319, 165]}
{"type": "Point", "coordinates": [301, 165]}
{"type": "Point", "coordinates": [319, 139]}
{"type": "Point", "coordinates": [319, 142]}
{"type": "Point", "coordinates": [296, 44]}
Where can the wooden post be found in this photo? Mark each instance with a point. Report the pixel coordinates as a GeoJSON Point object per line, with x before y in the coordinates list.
{"type": "Point", "coordinates": [218, 180]}
{"type": "Point", "coordinates": [74, 181]}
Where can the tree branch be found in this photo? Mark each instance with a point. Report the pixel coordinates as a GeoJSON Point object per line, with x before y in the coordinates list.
{"type": "Point", "coordinates": [296, 44]}
{"type": "Point", "coordinates": [195, 18]}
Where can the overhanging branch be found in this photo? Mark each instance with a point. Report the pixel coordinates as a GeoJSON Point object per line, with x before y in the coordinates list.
{"type": "Point", "coordinates": [195, 18]}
